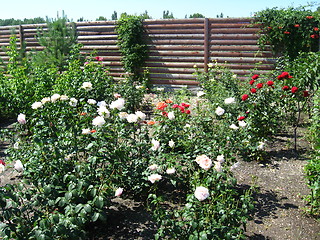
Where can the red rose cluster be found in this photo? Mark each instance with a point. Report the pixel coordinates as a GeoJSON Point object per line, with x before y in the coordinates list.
{"type": "Point", "coordinates": [286, 75]}
{"type": "Point", "coordinates": [183, 107]}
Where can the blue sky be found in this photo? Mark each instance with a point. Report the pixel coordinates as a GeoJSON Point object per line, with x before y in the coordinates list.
{"type": "Point", "coordinates": [92, 9]}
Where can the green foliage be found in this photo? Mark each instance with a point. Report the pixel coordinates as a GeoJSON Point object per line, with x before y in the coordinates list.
{"type": "Point", "coordinates": [196, 15]}
{"type": "Point", "coordinates": [312, 169]}
{"type": "Point", "coordinates": [167, 15]}
{"type": "Point", "coordinates": [58, 41]}
{"type": "Point", "coordinates": [134, 51]}
{"type": "Point", "coordinates": [289, 31]}
{"type": "Point", "coordinates": [11, 21]}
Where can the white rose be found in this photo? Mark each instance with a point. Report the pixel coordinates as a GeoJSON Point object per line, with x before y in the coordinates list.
{"type": "Point", "coordinates": [2, 168]}
{"type": "Point", "coordinates": [220, 158]}
{"type": "Point", "coordinates": [102, 103]}
{"type": "Point", "coordinates": [155, 145]}
{"type": "Point", "coordinates": [98, 121]}
{"type": "Point", "coordinates": [219, 111]}
{"type": "Point", "coordinates": [55, 97]}
{"type": "Point", "coordinates": [103, 111]}
{"type": "Point", "coordinates": [64, 98]}
{"type": "Point", "coordinates": [132, 118]}
{"type": "Point", "coordinates": [141, 115]}
{"type": "Point", "coordinates": [154, 177]}
{"type": "Point", "coordinates": [118, 104]}
{"type": "Point", "coordinates": [171, 115]}
{"type": "Point", "coordinates": [36, 105]}
{"type": "Point", "coordinates": [18, 166]}
{"type": "Point", "coordinates": [200, 93]}
{"type": "Point", "coordinates": [153, 167]}
{"type": "Point", "coordinates": [204, 162]}
{"type": "Point", "coordinates": [87, 86]}
{"type": "Point", "coordinates": [230, 100]}
{"type": "Point", "coordinates": [201, 193]}
{"type": "Point", "coordinates": [45, 100]}
{"type": "Point", "coordinates": [73, 102]}
{"type": "Point", "coordinates": [242, 123]}
{"type": "Point", "coordinates": [86, 131]}
{"type": "Point", "coordinates": [123, 115]}
{"type": "Point", "coordinates": [171, 143]}
{"type": "Point", "coordinates": [91, 101]}
{"type": "Point", "coordinates": [21, 118]}
{"type": "Point", "coordinates": [170, 171]}
{"type": "Point", "coordinates": [234, 127]}
{"type": "Point", "coordinates": [217, 166]}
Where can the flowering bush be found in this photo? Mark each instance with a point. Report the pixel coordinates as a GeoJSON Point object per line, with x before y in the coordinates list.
{"type": "Point", "coordinates": [289, 31]}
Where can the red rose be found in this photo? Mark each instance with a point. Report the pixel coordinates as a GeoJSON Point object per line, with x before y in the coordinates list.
{"type": "Point", "coordinates": [165, 114]}
{"type": "Point", "coordinates": [244, 97]}
{"type": "Point", "coordinates": [259, 85]}
{"type": "Point", "coordinates": [284, 75]}
{"type": "Point", "coordinates": [306, 94]}
{"type": "Point", "coordinates": [187, 111]}
{"type": "Point", "coordinates": [252, 82]}
{"type": "Point", "coordinates": [99, 58]}
{"type": "Point", "coordinates": [254, 77]}
{"type": "Point", "coordinates": [314, 36]}
{"type": "Point", "coordinates": [93, 131]}
{"type": "Point", "coordinates": [181, 109]}
{"type": "Point", "coordinates": [286, 32]}
{"type": "Point", "coordinates": [175, 105]}
{"type": "Point", "coordinates": [2, 162]}
{"type": "Point", "coordinates": [309, 17]}
{"type": "Point", "coordinates": [316, 29]}
{"type": "Point", "coordinates": [285, 88]}
{"type": "Point", "coordinates": [294, 89]}
{"type": "Point", "coordinates": [297, 25]}
{"type": "Point", "coordinates": [270, 83]}
{"type": "Point", "coordinates": [253, 90]}
{"type": "Point", "coordinates": [241, 118]}
{"type": "Point", "coordinates": [185, 105]}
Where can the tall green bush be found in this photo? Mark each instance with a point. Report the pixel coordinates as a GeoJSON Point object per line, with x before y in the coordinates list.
{"type": "Point", "coordinates": [133, 48]}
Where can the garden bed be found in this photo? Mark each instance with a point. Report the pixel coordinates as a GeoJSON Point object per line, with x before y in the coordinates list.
{"type": "Point", "coordinates": [279, 199]}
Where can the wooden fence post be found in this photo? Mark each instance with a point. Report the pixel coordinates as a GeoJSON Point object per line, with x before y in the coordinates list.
{"type": "Point", "coordinates": [21, 34]}
{"type": "Point", "coordinates": [206, 44]}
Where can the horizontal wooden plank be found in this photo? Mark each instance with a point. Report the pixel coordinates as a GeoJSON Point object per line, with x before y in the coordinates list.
{"type": "Point", "coordinates": [172, 64]}
{"type": "Point", "coordinates": [174, 82]}
{"type": "Point", "coordinates": [175, 26]}
{"type": "Point", "coordinates": [177, 47]}
{"type": "Point", "coordinates": [176, 53]}
{"type": "Point", "coordinates": [174, 31]}
{"type": "Point", "coordinates": [236, 54]}
{"type": "Point", "coordinates": [171, 70]}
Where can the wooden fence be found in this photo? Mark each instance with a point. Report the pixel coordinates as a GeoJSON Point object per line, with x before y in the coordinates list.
{"type": "Point", "coordinates": [175, 45]}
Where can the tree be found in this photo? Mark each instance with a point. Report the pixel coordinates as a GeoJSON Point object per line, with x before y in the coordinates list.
{"type": "Point", "coordinates": [114, 15]}
{"type": "Point", "coordinates": [59, 39]}
{"type": "Point", "coordinates": [220, 16]}
{"type": "Point", "coordinates": [197, 15]}
{"type": "Point", "coordinates": [166, 15]}
{"type": "Point", "coordinates": [101, 18]}
{"type": "Point", "coordinates": [145, 15]}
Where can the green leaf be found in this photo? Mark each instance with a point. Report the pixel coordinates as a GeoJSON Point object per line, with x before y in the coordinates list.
{"type": "Point", "coordinates": [95, 216]}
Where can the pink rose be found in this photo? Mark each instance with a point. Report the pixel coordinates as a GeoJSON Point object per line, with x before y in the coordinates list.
{"type": "Point", "coordinates": [204, 162]}
{"type": "Point", "coordinates": [118, 192]}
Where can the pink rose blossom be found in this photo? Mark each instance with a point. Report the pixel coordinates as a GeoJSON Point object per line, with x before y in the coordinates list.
{"type": "Point", "coordinates": [201, 193]}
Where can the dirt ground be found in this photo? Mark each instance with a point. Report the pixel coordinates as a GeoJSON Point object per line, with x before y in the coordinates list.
{"type": "Point", "coordinates": [279, 202]}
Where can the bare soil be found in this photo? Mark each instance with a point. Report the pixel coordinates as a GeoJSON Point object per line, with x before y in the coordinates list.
{"type": "Point", "coordinates": [279, 202]}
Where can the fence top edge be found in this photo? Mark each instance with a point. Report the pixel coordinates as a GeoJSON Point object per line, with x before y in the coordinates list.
{"type": "Point", "coordinates": [147, 21]}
